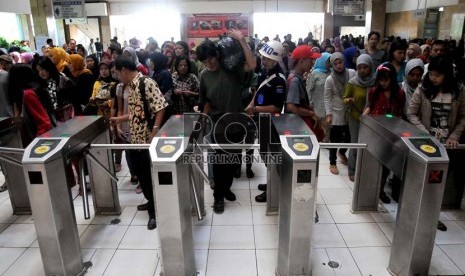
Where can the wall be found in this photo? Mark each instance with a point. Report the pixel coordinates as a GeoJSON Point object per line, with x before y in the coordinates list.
{"type": "Point", "coordinates": [445, 20]}
{"type": "Point", "coordinates": [219, 6]}
{"type": "Point", "coordinates": [402, 24]}
{"type": "Point", "coordinates": [411, 5]}
{"type": "Point", "coordinates": [16, 6]}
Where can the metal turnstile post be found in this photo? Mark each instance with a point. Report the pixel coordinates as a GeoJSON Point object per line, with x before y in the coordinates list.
{"type": "Point", "coordinates": [297, 201]}
{"type": "Point", "coordinates": [14, 176]}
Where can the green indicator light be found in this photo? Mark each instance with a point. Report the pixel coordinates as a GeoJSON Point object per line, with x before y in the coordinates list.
{"type": "Point", "coordinates": [64, 135]}
{"type": "Point", "coordinates": [291, 115]}
{"type": "Point", "coordinates": [305, 132]}
{"type": "Point", "coordinates": [180, 135]}
{"type": "Point", "coordinates": [389, 115]}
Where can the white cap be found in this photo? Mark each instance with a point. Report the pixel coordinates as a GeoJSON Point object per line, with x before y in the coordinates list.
{"type": "Point", "coordinates": [273, 50]}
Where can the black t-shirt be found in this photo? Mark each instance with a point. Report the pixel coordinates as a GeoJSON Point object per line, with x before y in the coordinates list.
{"type": "Point", "coordinates": [271, 91]}
{"type": "Point", "coordinates": [98, 46]}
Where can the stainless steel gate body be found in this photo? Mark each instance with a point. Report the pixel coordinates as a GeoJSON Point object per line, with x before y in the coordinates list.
{"type": "Point", "coordinates": [298, 187]}
{"type": "Point", "coordinates": [44, 164]}
{"type": "Point", "coordinates": [14, 176]}
{"type": "Point", "coordinates": [422, 163]}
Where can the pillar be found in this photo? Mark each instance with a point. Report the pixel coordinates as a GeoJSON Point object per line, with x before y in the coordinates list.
{"type": "Point", "coordinates": [105, 31]}
{"type": "Point", "coordinates": [328, 31]}
{"type": "Point", "coordinates": [43, 18]}
{"type": "Point", "coordinates": [375, 16]}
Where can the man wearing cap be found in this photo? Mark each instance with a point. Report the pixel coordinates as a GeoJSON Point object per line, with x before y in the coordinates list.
{"type": "Point", "coordinates": [297, 99]}
{"type": "Point", "coordinates": [271, 91]}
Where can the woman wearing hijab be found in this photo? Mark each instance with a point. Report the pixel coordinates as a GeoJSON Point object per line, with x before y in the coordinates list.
{"type": "Point", "coordinates": [60, 59]}
{"type": "Point", "coordinates": [92, 65]}
{"type": "Point", "coordinates": [336, 118]}
{"type": "Point", "coordinates": [355, 97]}
{"type": "Point", "coordinates": [83, 83]}
{"type": "Point", "coordinates": [131, 53]}
{"type": "Point", "coordinates": [413, 72]}
{"type": "Point", "coordinates": [315, 90]}
{"type": "Point", "coordinates": [350, 56]}
{"type": "Point", "coordinates": [425, 51]}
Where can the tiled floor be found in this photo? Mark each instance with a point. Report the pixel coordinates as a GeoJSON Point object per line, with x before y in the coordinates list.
{"type": "Point", "coordinates": [240, 242]}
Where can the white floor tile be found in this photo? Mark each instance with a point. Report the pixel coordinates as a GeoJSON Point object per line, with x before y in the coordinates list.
{"type": "Point", "coordinates": [363, 234]}
{"type": "Point", "coordinates": [259, 216]}
{"type": "Point", "coordinates": [372, 260]}
{"type": "Point", "coordinates": [347, 265]}
{"type": "Point", "coordinates": [201, 236]}
{"type": "Point", "coordinates": [79, 213]}
{"type": "Point", "coordinates": [124, 183]}
{"type": "Point", "coordinates": [129, 197]}
{"type": "Point", "coordinates": [78, 201]}
{"type": "Point", "coordinates": [326, 236]}
{"type": "Point", "coordinates": [384, 216]}
{"type": "Point", "coordinates": [388, 229]}
{"type": "Point", "coordinates": [454, 234]}
{"type": "Point", "coordinates": [456, 214]}
{"type": "Point", "coordinates": [6, 214]}
{"type": "Point", "coordinates": [442, 265]}
{"type": "Point", "coordinates": [81, 229]}
{"type": "Point", "coordinates": [341, 214]}
{"type": "Point", "coordinates": [232, 237]}
{"type": "Point", "coordinates": [234, 215]}
{"type": "Point", "coordinates": [139, 237]}
{"type": "Point", "coordinates": [18, 235]}
{"type": "Point", "coordinates": [240, 183]}
{"type": "Point", "coordinates": [319, 199]}
{"type": "Point", "coordinates": [320, 260]}
{"type": "Point", "coordinates": [461, 223]}
{"type": "Point", "coordinates": [324, 170]}
{"type": "Point", "coordinates": [337, 196]}
{"type": "Point", "coordinates": [266, 236]}
{"type": "Point", "coordinates": [133, 262]}
{"type": "Point", "coordinates": [267, 261]}
{"type": "Point", "coordinates": [455, 252]}
{"type": "Point", "coordinates": [29, 263]}
{"type": "Point", "coordinates": [207, 219]}
{"type": "Point", "coordinates": [25, 219]}
{"type": "Point", "coordinates": [255, 181]}
{"type": "Point", "coordinates": [127, 214]}
{"type": "Point", "coordinates": [331, 182]}
{"type": "Point", "coordinates": [8, 256]}
{"type": "Point", "coordinates": [100, 260]}
{"type": "Point", "coordinates": [323, 214]}
{"type": "Point", "coordinates": [231, 263]}
{"type": "Point", "coordinates": [103, 236]}
{"type": "Point", "coordinates": [140, 218]}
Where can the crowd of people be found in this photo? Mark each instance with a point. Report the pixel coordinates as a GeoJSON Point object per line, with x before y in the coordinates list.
{"type": "Point", "coordinates": [329, 84]}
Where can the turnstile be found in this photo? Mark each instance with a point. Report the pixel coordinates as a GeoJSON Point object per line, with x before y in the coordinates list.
{"type": "Point", "coordinates": [174, 183]}
{"type": "Point", "coordinates": [297, 194]}
{"type": "Point", "coordinates": [421, 162]}
{"type": "Point", "coordinates": [14, 176]}
{"type": "Point", "coordinates": [44, 163]}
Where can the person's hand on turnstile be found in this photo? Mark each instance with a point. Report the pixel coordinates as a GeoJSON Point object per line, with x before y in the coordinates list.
{"type": "Point", "coordinates": [329, 119]}
{"type": "Point", "coordinates": [451, 142]}
{"type": "Point", "coordinates": [249, 110]}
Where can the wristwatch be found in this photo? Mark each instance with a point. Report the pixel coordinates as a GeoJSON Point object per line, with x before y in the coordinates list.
{"type": "Point", "coordinates": [254, 109]}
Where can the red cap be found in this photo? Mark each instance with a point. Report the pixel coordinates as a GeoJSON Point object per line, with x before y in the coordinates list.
{"type": "Point", "coordinates": [304, 51]}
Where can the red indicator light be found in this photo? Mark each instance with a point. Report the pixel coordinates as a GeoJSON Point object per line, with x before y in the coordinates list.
{"type": "Point", "coordinates": [435, 177]}
{"type": "Point", "coordinates": [277, 114]}
{"type": "Point", "coordinates": [47, 135]}
{"type": "Point", "coordinates": [406, 134]}
{"type": "Point", "coordinates": [287, 132]}
{"type": "Point", "coordinates": [163, 134]}
{"type": "Point", "coordinates": [178, 116]}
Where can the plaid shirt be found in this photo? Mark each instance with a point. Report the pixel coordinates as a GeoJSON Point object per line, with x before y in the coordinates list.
{"type": "Point", "coordinates": [185, 103]}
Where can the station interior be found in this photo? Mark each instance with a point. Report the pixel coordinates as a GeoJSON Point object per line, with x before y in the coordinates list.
{"type": "Point", "coordinates": [322, 224]}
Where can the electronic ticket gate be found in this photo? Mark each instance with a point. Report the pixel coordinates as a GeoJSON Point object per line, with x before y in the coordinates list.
{"type": "Point", "coordinates": [174, 183]}
{"type": "Point", "coordinates": [421, 162]}
{"type": "Point", "coordinates": [44, 162]}
{"type": "Point", "coordinates": [297, 193]}
{"type": "Point", "coordinates": [10, 137]}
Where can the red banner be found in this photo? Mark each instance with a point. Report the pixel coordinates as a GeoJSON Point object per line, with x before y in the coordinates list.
{"type": "Point", "coordinates": [214, 25]}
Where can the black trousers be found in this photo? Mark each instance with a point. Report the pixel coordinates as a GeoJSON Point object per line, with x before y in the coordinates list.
{"type": "Point", "coordinates": [338, 134]}
{"type": "Point", "coordinates": [140, 160]}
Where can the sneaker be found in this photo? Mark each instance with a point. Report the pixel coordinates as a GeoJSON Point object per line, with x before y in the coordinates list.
{"type": "Point", "coordinates": [441, 226]}
{"type": "Point", "coordinates": [342, 158]}
{"type": "Point", "coordinates": [261, 197]}
{"type": "Point", "coordinates": [384, 198]}
{"type": "Point", "coordinates": [152, 224]}
{"type": "Point", "coordinates": [249, 173]}
{"type": "Point", "coordinates": [333, 169]}
{"type": "Point", "coordinates": [262, 187]}
{"type": "Point", "coordinates": [218, 206]}
{"type": "Point", "coordinates": [138, 189]}
{"type": "Point", "coordinates": [352, 178]}
{"type": "Point", "coordinates": [230, 196]}
{"type": "Point", "coordinates": [134, 180]}
{"type": "Point", "coordinates": [117, 167]}
{"type": "Point", "coordinates": [143, 207]}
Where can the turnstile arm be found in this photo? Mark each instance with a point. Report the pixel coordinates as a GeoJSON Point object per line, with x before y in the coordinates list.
{"type": "Point", "coordinates": [11, 150]}
{"type": "Point", "coordinates": [343, 145]}
{"type": "Point", "coordinates": [198, 209]}
{"type": "Point", "coordinates": [105, 170]}
{"type": "Point", "coordinates": [85, 198]}
{"type": "Point", "coordinates": [202, 173]}
{"type": "Point", "coordinates": [10, 160]}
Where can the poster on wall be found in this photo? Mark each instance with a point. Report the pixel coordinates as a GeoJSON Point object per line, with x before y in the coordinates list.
{"type": "Point", "coordinates": [212, 25]}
